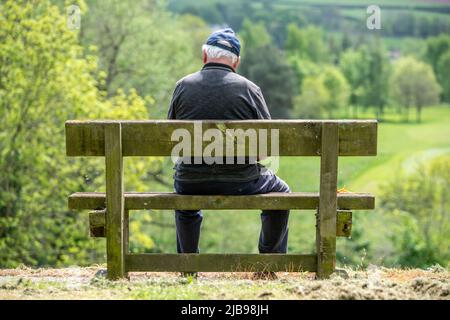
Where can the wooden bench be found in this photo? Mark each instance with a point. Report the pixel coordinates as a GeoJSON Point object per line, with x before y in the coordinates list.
{"type": "Point", "coordinates": [109, 218]}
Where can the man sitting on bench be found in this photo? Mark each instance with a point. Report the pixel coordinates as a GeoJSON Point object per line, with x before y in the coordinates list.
{"type": "Point", "coordinates": [217, 92]}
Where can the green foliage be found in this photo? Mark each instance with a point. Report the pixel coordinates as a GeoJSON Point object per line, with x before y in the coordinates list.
{"type": "Point", "coordinates": [302, 68]}
{"type": "Point", "coordinates": [414, 47]}
{"type": "Point", "coordinates": [367, 70]}
{"type": "Point", "coordinates": [337, 87]}
{"type": "Point", "coordinates": [254, 35]}
{"type": "Point", "coordinates": [312, 102]}
{"type": "Point", "coordinates": [306, 43]}
{"type": "Point", "coordinates": [320, 94]}
{"type": "Point", "coordinates": [438, 55]}
{"type": "Point", "coordinates": [443, 75]}
{"type": "Point", "coordinates": [379, 69]}
{"type": "Point", "coordinates": [413, 84]}
{"type": "Point", "coordinates": [142, 46]}
{"type": "Point", "coordinates": [264, 64]}
{"type": "Point", "coordinates": [323, 88]}
{"type": "Point", "coordinates": [44, 80]}
{"type": "Point", "coordinates": [354, 67]}
{"type": "Point", "coordinates": [421, 207]}
{"type": "Point", "coordinates": [436, 47]}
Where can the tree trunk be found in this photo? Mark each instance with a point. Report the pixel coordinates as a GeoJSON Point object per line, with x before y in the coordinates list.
{"type": "Point", "coordinates": [419, 114]}
{"type": "Point", "coordinates": [407, 113]}
{"type": "Point", "coordinates": [380, 112]}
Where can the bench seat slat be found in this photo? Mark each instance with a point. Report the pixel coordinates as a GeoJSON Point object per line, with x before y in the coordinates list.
{"type": "Point", "coordinates": [220, 262]}
{"type": "Point", "coordinates": [269, 201]}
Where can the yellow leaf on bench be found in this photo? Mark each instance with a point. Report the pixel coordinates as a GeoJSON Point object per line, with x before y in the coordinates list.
{"type": "Point", "coordinates": [343, 190]}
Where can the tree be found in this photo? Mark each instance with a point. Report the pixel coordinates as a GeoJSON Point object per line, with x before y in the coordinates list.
{"type": "Point", "coordinates": [305, 50]}
{"type": "Point", "coordinates": [420, 206]}
{"type": "Point", "coordinates": [313, 100]}
{"type": "Point", "coordinates": [45, 79]}
{"type": "Point", "coordinates": [415, 47]}
{"type": "Point", "coordinates": [143, 46]}
{"type": "Point", "coordinates": [264, 64]}
{"type": "Point", "coordinates": [41, 84]}
{"type": "Point", "coordinates": [437, 54]}
{"type": "Point", "coordinates": [337, 87]}
{"type": "Point", "coordinates": [379, 69]}
{"type": "Point", "coordinates": [443, 75]}
{"type": "Point", "coordinates": [324, 93]}
{"type": "Point", "coordinates": [436, 47]}
{"type": "Point", "coordinates": [302, 68]}
{"type": "Point", "coordinates": [355, 68]}
{"type": "Point", "coordinates": [367, 70]}
{"type": "Point", "coordinates": [254, 35]}
{"type": "Point", "coordinates": [413, 84]}
{"type": "Point", "coordinates": [346, 42]}
{"type": "Point", "coordinates": [307, 43]}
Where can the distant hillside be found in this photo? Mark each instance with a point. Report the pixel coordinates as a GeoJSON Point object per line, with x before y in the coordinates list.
{"type": "Point", "coordinates": [400, 18]}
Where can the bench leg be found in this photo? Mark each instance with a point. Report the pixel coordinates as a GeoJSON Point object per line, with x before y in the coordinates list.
{"type": "Point", "coordinates": [115, 213]}
{"type": "Point", "coordinates": [326, 216]}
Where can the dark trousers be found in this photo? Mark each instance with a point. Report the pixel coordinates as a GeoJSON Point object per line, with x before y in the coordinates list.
{"type": "Point", "coordinates": [274, 231]}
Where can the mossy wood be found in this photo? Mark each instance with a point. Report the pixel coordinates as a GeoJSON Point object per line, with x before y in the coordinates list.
{"type": "Point", "coordinates": [326, 217]}
{"type": "Point", "coordinates": [117, 139]}
{"type": "Point", "coordinates": [97, 223]}
{"type": "Point", "coordinates": [344, 223]}
{"type": "Point", "coordinates": [270, 201]}
{"type": "Point", "coordinates": [115, 209]}
{"type": "Point", "coordinates": [154, 138]}
{"type": "Point", "coordinates": [221, 262]}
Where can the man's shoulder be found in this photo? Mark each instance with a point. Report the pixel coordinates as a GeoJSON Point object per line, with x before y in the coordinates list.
{"type": "Point", "coordinates": [251, 85]}
{"type": "Point", "coordinates": [237, 78]}
{"type": "Point", "coordinates": [188, 78]}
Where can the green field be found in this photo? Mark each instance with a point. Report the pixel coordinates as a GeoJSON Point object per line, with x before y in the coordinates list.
{"type": "Point", "coordinates": [400, 147]}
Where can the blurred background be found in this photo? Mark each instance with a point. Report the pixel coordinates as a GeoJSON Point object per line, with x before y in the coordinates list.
{"type": "Point", "coordinates": [63, 60]}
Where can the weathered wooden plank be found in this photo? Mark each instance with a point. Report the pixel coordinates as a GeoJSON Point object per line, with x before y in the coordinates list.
{"type": "Point", "coordinates": [269, 201]}
{"type": "Point", "coordinates": [97, 223]}
{"type": "Point", "coordinates": [115, 250]}
{"type": "Point", "coordinates": [220, 262]}
{"type": "Point", "coordinates": [326, 217]}
{"type": "Point", "coordinates": [153, 138]}
{"type": "Point", "coordinates": [126, 231]}
{"type": "Point", "coordinates": [344, 223]}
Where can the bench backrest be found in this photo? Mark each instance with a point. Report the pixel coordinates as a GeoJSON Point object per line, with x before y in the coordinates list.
{"type": "Point", "coordinates": [153, 137]}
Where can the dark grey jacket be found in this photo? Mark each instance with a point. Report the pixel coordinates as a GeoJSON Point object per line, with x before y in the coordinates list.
{"type": "Point", "coordinates": [217, 93]}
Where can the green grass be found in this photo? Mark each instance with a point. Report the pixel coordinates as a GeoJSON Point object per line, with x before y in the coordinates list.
{"type": "Point", "coordinates": [400, 146]}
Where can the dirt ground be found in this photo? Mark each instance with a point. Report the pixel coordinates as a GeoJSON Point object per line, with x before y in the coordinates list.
{"type": "Point", "coordinates": [89, 283]}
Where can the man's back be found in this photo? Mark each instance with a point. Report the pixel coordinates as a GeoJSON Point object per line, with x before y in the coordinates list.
{"type": "Point", "coordinates": [217, 93]}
